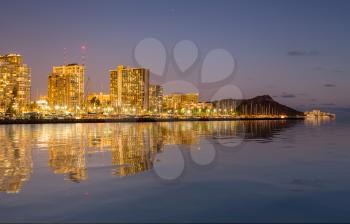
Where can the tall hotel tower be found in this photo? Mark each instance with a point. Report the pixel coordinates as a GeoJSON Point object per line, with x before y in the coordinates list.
{"type": "Point", "coordinates": [129, 89]}
{"type": "Point", "coordinates": [155, 98]}
{"type": "Point", "coordinates": [15, 83]}
{"type": "Point", "coordinates": [66, 87]}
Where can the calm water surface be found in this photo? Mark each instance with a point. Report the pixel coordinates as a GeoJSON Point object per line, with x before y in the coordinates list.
{"type": "Point", "coordinates": [177, 171]}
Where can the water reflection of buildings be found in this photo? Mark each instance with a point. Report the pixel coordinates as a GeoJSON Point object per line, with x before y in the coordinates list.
{"type": "Point", "coordinates": [15, 157]}
{"type": "Point", "coordinates": [129, 147]}
{"type": "Point", "coordinates": [317, 121]}
{"type": "Point", "coordinates": [132, 150]}
{"type": "Point", "coordinates": [66, 151]}
{"type": "Point", "coordinates": [183, 133]}
{"type": "Point", "coordinates": [64, 159]}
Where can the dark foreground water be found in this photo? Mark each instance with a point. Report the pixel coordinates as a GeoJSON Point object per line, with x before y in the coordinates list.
{"type": "Point", "coordinates": [254, 171]}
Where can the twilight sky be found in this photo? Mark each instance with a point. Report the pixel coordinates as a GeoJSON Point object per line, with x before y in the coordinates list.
{"type": "Point", "coordinates": [296, 51]}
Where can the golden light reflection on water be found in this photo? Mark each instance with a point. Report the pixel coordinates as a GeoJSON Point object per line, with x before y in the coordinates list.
{"type": "Point", "coordinates": [318, 121]}
{"type": "Point", "coordinates": [132, 146]}
{"type": "Point", "coordinates": [15, 159]}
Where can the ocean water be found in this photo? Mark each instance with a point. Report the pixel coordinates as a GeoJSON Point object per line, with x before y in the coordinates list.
{"type": "Point", "coordinates": [219, 171]}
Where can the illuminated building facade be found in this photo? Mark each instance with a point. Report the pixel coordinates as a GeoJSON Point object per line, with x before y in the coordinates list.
{"type": "Point", "coordinates": [42, 104]}
{"type": "Point", "coordinates": [155, 98]}
{"type": "Point", "coordinates": [98, 102]}
{"type": "Point", "coordinates": [204, 108]}
{"type": "Point", "coordinates": [129, 89]}
{"type": "Point", "coordinates": [66, 87]}
{"type": "Point", "coordinates": [15, 83]}
{"type": "Point", "coordinates": [177, 101]}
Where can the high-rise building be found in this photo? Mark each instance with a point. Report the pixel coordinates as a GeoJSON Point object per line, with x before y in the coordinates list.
{"type": "Point", "coordinates": [15, 83]}
{"type": "Point", "coordinates": [129, 89]}
{"type": "Point", "coordinates": [66, 87]}
{"type": "Point", "coordinates": [155, 98]}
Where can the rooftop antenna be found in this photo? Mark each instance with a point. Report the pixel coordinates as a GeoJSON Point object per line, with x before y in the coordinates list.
{"type": "Point", "coordinates": [83, 58]}
{"type": "Point", "coordinates": [83, 54]}
{"type": "Point", "coordinates": [64, 56]}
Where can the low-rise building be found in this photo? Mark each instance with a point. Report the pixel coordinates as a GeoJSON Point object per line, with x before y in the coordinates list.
{"type": "Point", "coordinates": [98, 102]}
{"type": "Point", "coordinates": [180, 103]}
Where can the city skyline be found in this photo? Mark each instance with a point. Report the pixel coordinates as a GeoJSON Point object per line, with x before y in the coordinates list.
{"type": "Point", "coordinates": [211, 110]}
{"type": "Point", "coordinates": [300, 59]}
{"type": "Point", "coordinates": [131, 94]}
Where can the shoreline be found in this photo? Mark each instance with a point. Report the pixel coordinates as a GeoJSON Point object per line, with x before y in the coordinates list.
{"type": "Point", "coordinates": [135, 120]}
